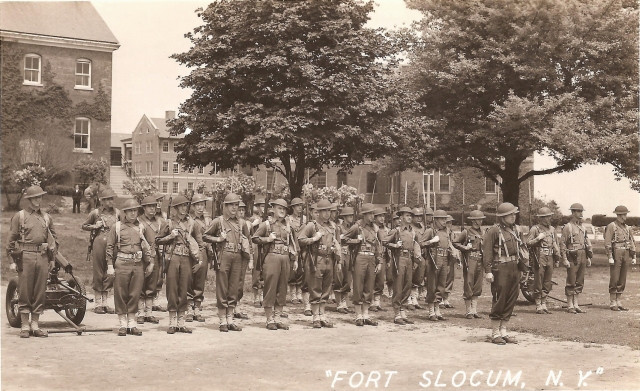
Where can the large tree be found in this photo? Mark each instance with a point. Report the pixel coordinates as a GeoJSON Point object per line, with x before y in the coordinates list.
{"type": "Point", "coordinates": [496, 81]}
{"type": "Point", "coordinates": [292, 85]}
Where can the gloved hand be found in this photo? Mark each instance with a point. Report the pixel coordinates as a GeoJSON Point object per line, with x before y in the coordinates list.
{"type": "Point", "coordinates": [566, 264]}
{"type": "Point", "coordinates": [68, 269]}
{"type": "Point", "coordinates": [110, 270]}
{"type": "Point", "coordinates": [195, 268]}
{"type": "Point", "coordinates": [399, 244]}
{"type": "Point", "coordinates": [295, 266]}
{"type": "Point", "coordinates": [611, 261]}
{"type": "Point", "coordinates": [250, 266]}
{"type": "Point", "coordinates": [271, 237]}
{"type": "Point", "coordinates": [489, 277]}
{"type": "Point", "coordinates": [149, 270]}
{"type": "Point", "coordinates": [339, 267]}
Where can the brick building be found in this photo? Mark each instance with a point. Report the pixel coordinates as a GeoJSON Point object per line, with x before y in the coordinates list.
{"type": "Point", "coordinates": [153, 155]}
{"type": "Point", "coordinates": [74, 42]}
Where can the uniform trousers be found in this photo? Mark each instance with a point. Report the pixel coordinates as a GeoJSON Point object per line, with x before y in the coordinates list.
{"type": "Point", "coordinates": [102, 282]}
{"type": "Point", "coordinates": [575, 272]}
{"type": "Point", "coordinates": [198, 279]}
{"type": "Point", "coordinates": [472, 278]}
{"type": "Point", "coordinates": [363, 279]}
{"type": "Point", "coordinates": [150, 285]}
{"type": "Point", "coordinates": [342, 280]}
{"type": "Point", "coordinates": [178, 281]}
{"type": "Point", "coordinates": [242, 274]}
{"type": "Point", "coordinates": [542, 275]}
{"type": "Point", "coordinates": [618, 271]}
{"type": "Point", "coordinates": [402, 281]}
{"type": "Point", "coordinates": [436, 277]}
{"type": "Point", "coordinates": [127, 286]}
{"type": "Point", "coordinates": [227, 279]}
{"type": "Point", "coordinates": [451, 275]}
{"type": "Point", "coordinates": [380, 279]}
{"type": "Point", "coordinates": [32, 282]}
{"type": "Point", "coordinates": [504, 289]}
{"type": "Point", "coordinates": [319, 278]}
{"type": "Point", "coordinates": [276, 275]}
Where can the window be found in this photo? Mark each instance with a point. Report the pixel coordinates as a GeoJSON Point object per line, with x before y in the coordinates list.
{"type": "Point", "coordinates": [191, 170]}
{"type": "Point", "coordinates": [138, 168]}
{"type": "Point", "coordinates": [165, 187]}
{"type": "Point", "coordinates": [32, 69]}
{"type": "Point", "coordinates": [83, 73]}
{"type": "Point", "coordinates": [372, 179]}
{"type": "Point", "coordinates": [149, 167]}
{"type": "Point", "coordinates": [149, 146]}
{"type": "Point", "coordinates": [173, 147]}
{"type": "Point", "coordinates": [165, 146]}
{"type": "Point", "coordinates": [489, 186]}
{"type": "Point", "coordinates": [190, 186]}
{"type": "Point", "coordinates": [165, 166]}
{"type": "Point", "coordinates": [428, 182]}
{"type": "Point", "coordinates": [319, 180]}
{"type": "Point", "coordinates": [342, 179]}
{"type": "Point", "coordinates": [147, 130]}
{"type": "Point", "coordinates": [176, 168]}
{"type": "Point", "coordinates": [200, 170]}
{"type": "Point", "coordinates": [444, 183]}
{"type": "Point", "coordinates": [81, 134]}
{"type": "Point", "coordinates": [176, 188]}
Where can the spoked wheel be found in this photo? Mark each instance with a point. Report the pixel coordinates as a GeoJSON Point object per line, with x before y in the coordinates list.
{"type": "Point", "coordinates": [11, 303]}
{"type": "Point", "coordinates": [77, 311]}
{"type": "Point", "coordinates": [526, 285]}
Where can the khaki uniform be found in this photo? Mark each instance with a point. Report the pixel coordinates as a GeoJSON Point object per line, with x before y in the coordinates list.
{"type": "Point", "coordinates": [403, 260]}
{"type": "Point", "coordinates": [573, 246]}
{"type": "Point", "coordinates": [472, 276]}
{"type": "Point", "coordinates": [101, 281]}
{"type": "Point", "coordinates": [437, 262]}
{"type": "Point", "coordinates": [196, 289]}
{"type": "Point", "coordinates": [296, 277]}
{"type": "Point", "coordinates": [319, 263]}
{"type": "Point", "coordinates": [369, 255]}
{"type": "Point", "coordinates": [620, 246]}
{"type": "Point", "coordinates": [151, 229]}
{"type": "Point", "coordinates": [544, 254]}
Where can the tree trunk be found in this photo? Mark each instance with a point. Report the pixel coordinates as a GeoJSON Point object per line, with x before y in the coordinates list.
{"type": "Point", "coordinates": [510, 184]}
{"type": "Point", "coordinates": [297, 179]}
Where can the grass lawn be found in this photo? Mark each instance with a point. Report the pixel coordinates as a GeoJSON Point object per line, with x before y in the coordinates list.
{"type": "Point", "coordinates": [599, 325]}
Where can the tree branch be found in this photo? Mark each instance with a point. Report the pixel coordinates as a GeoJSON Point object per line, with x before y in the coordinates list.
{"type": "Point", "coordinates": [561, 167]}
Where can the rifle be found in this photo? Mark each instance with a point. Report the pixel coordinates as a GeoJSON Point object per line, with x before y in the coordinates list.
{"type": "Point", "coordinates": [92, 238]}
{"type": "Point", "coordinates": [214, 246]}
{"type": "Point", "coordinates": [424, 221]}
{"type": "Point", "coordinates": [165, 259]}
{"type": "Point", "coordinates": [356, 249]}
{"type": "Point", "coordinates": [262, 250]}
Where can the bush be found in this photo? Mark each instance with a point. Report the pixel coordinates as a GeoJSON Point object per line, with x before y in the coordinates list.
{"type": "Point", "coordinates": [61, 190]}
{"type": "Point", "coordinates": [602, 220]}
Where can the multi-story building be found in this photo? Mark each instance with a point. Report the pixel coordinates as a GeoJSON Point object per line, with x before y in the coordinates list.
{"type": "Point", "coordinates": [153, 155]}
{"type": "Point", "coordinates": [70, 45]}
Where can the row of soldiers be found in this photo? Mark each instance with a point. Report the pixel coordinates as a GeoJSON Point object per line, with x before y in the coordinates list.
{"type": "Point", "coordinates": [315, 258]}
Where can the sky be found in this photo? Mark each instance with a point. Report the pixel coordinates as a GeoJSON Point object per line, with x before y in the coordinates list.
{"type": "Point", "coordinates": [145, 81]}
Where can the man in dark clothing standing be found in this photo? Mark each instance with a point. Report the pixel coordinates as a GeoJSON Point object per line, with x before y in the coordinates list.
{"type": "Point", "coordinates": [77, 195]}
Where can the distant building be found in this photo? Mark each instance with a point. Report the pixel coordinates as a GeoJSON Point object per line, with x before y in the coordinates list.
{"type": "Point", "coordinates": [153, 155]}
{"type": "Point", "coordinates": [77, 44]}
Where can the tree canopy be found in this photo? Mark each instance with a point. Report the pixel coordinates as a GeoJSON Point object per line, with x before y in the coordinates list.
{"type": "Point", "coordinates": [494, 82]}
{"type": "Point", "coordinates": [289, 85]}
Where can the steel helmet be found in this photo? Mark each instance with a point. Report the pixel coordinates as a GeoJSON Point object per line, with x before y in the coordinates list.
{"type": "Point", "coordinates": [576, 206]}
{"type": "Point", "coordinates": [179, 200]}
{"type": "Point", "coordinates": [149, 200]}
{"type": "Point", "coordinates": [324, 205]}
{"type": "Point", "coordinates": [34, 191]}
{"type": "Point", "coordinates": [621, 209]}
{"type": "Point", "coordinates": [296, 201]}
{"type": "Point", "coordinates": [347, 211]}
{"type": "Point", "coordinates": [440, 214]}
{"type": "Point", "coordinates": [280, 202]}
{"type": "Point", "coordinates": [199, 198]}
{"type": "Point", "coordinates": [476, 215]}
{"type": "Point", "coordinates": [367, 208]}
{"type": "Point", "coordinates": [418, 212]}
{"type": "Point", "coordinates": [428, 212]}
{"type": "Point", "coordinates": [544, 211]}
{"type": "Point", "coordinates": [107, 193]}
{"type": "Point", "coordinates": [378, 211]}
{"type": "Point", "coordinates": [232, 198]}
{"type": "Point", "coordinates": [404, 209]}
{"type": "Point", "coordinates": [131, 204]}
{"type": "Point", "coordinates": [505, 209]}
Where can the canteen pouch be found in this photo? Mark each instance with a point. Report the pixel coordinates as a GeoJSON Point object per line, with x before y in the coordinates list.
{"type": "Point", "coordinates": [17, 258]}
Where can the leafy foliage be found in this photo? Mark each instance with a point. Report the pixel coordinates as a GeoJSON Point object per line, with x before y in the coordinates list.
{"type": "Point", "coordinates": [90, 170]}
{"type": "Point", "coordinates": [494, 82]}
{"type": "Point", "coordinates": [140, 187]}
{"type": "Point", "coordinates": [289, 85]}
{"type": "Point", "coordinates": [344, 196]}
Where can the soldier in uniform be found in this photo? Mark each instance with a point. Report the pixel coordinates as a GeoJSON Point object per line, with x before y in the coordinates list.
{"type": "Point", "coordinates": [322, 237]}
{"type": "Point", "coordinates": [159, 214]}
{"type": "Point", "coordinates": [256, 280]}
{"type": "Point", "coordinates": [342, 281]}
{"type": "Point", "coordinates": [406, 256]}
{"type": "Point", "coordinates": [195, 293]}
{"type": "Point", "coordinates": [385, 268]}
{"type": "Point", "coordinates": [419, 272]}
{"type": "Point", "coordinates": [281, 248]}
{"type": "Point", "coordinates": [101, 220]}
{"type": "Point", "coordinates": [576, 255]}
{"type": "Point", "coordinates": [452, 259]}
{"type": "Point", "coordinates": [151, 222]}
{"type": "Point", "coordinates": [182, 238]}
{"type": "Point", "coordinates": [306, 296]}
{"type": "Point", "coordinates": [500, 254]}
{"type": "Point", "coordinates": [127, 242]}
{"type": "Point", "coordinates": [31, 249]}
{"type": "Point", "coordinates": [469, 243]}
{"type": "Point", "coordinates": [436, 242]}
{"type": "Point", "coordinates": [621, 250]}
{"type": "Point", "coordinates": [545, 253]}
{"type": "Point", "coordinates": [247, 260]}
{"type": "Point", "coordinates": [297, 221]}
{"type": "Point", "coordinates": [367, 263]}
{"type": "Point", "coordinates": [229, 233]}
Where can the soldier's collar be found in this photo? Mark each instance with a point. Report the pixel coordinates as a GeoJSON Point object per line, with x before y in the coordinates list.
{"type": "Point", "coordinates": [29, 209]}
{"type": "Point", "coordinates": [104, 208]}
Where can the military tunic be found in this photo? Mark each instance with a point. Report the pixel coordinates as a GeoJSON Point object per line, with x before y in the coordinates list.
{"type": "Point", "coordinates": [420, 271]}
{"type": "Point", "coordinates": [573, 246]}
{"type": "Point", "coordinates": [543, 255]}
{"type": "Point", "coordinates": [437, 262]}
{"type": "Point", "coordinates": [620, 246]}
{"type": "Point", "coordinates": [369, 255]}
{"type": "Point", "coordinates": [403, 259]}
{"type": "Point", "coordinates": [297, 223]}
{"type": "Point", "coordinates": [472, 274]}
{"type": "Point", "coordinates": [384, 275]}
{"type": "Point", "coordinates": [32, 278]}
{"type": "Point", "coordinates": [342, 280]}
{"type": "Point", "coordinates": [319, 262]}
{"type": "Point", "coordinates": [101, 281]}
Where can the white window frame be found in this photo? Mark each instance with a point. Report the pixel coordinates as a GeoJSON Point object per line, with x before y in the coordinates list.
{"type": "Point", "coordinates": [201, 170]}
{"type": "Point", "coordinates": [82, 86]}
{"type": "Point", "coordinates": [440, 175]}
{"type": "Point", "coordinates": [175, 189]}
{"type": "Point", "coordinates": [88, 134]}
{"type": "Point", "coordinates": [165, 144]}
{"type": "Point", "coordinates": [429, 178]}
{"type": "Point", "coordinates": [189, 185]}
{"type": "Point", "coordinates": [25, 69]}
{"type": "Point", "coordinates": [165, 163]}
{"type": "Point", "coordinates": [165, 187]}
{"type": "Point", "coordinates": [495, 186]}
{"type": "Point", "coordinates": [176, 168]}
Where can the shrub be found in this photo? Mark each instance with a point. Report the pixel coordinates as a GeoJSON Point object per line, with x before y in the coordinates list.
{"type": "Point", "coordinates": [61, 190]}
{"type": "Point", "coordinates": [602, 220]}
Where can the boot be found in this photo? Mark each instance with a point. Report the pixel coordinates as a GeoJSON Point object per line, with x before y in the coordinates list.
{"type": "Point", "coordinates": [315, 311]}
{"type": "Point", "coordinates": [156, 304]}
{"type": "Point", "coordinates": [474, 307]}
{"type": "Point", "coordinates": [570, 308]}
{"type": "Point", "coordinates": [345, 306]}
{"type": "Point", "coordinates": [619, 302]}
{"type": "Point", "coordinates": [256, 299]}
{"type": "Point", "coordinates": [374, 306]}
{"type": "Point", "coordinates": [307, 306]}
{"type": "Point", "coordinates": [222, 317]}
{"type": "Point", "coordinates": [98, 305]}
{"type": "Point", "coordinates": [359, 316]}
{"type": "Point", "coordinates": [544, 306]}
{"type": "Point", "coordinates": [539, 309]}
{"type": "Point", "coordinates": [197, 312]}
{"type": "Point", "coordinates": [496, 338]}
{"type": "Point", "coordinates": [504, 334]}
{"type": "Point", "coordinates": [181, 323]}
{"type": "Point", "coordinates": [298, 294]}
{"type": "Point", "coordinates": [123, 321]}
{"type": "Point", "coordinates": [438, 314]}
{"type": "Point", "coordinates": [141, 309]}
{"type": "Point", "coordinates": [131, 325]}
{"type": "Point", "coordinates": [613, 302]}
{"type": "Point", "coordinates": [35, 328]}
{"type": "Point", "coordinates": [25, 329]}
{"type": "Point", "coordinates": [576, 306]}
{"type": "Point", "coordinates": [432, 311]}
{"type": "Point", "coordinates": [105, 301]}
{"type": "Point", "coordinates": [173, 322]}
{"type": "Point", "coordinates": [323, 319]}
{"type": "Point", "coordinates": [230, 324]}
{"type": "Point", "coordinates": [190, 311]}
{"type": "Point", "coordinates": [469, 309]}
{"type": "Point", "coordinates": [403, 315]}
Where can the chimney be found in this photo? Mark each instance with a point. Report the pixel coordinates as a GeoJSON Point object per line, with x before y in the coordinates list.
{"type": "Point", "coordinates": [169, 115]}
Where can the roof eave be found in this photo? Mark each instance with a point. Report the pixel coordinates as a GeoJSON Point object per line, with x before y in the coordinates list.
{"type": "Point", "coordinates": [48, 40]}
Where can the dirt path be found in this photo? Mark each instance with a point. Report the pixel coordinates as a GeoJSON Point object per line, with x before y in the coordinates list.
{"type": "Point", "coordinates": [298, 359]}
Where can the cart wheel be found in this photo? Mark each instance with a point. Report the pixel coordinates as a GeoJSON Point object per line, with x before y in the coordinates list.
{"type": "Point", "coordinates": [526, 285]}
{"type": "Point", "coordinates": [11, 303]}
{"type": "Point", "coordinates": [76, 313]}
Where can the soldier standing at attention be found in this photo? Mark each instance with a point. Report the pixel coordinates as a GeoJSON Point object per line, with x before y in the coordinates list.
{"type": "Point", "coordinates": [247, 259]}
{"type": "Point", "coordinates": [436, 242]}
{"type": "Point", "coordinates": [195, 293]}
{"type": "Point", "coordinates": [230, 233]}
{"type": "Point", "coordinates": [159, 214]}
{"type": "Point", "coordinates": [306, 296]}
{"type": "Point", "coordinates": [367, 263]}
{"type": "Point", "coordinates": [281, 248]}
{"type": "Point", "coordinates": [385, 268]}
{"type": "Point", "coordinates": [501, 246]}
{"type": "Point", "coordinates": [127, 241]}
{"type": "Point", "coordinates": [545, 252]}
{"type": "Point", "coordinates": [31, 248]}
{"type": "Point", "coordinates": [419, 272]}
{"type": "Point", "coordinates": [322, 239]}
{"type": "Point", "coordinates": [406, 254]}
{"type": "Point", "coordinates": [342, 281]}
{"type": "Point", "coordinates": [151, 223]}
{"type": "Point", "coordinates": [297, 221]}
{"type": "Point", "coordinates": [256, 280]}
{"type": "Point", "coordinates": [102, 219]}
{"type": "Point", "coordinates": [469, 243]}
{"type": "Point", "coordinates": [621, 250]}
{"type": "Point", "coordinates": [182, 238]}
{"type": "Point", "coordinates": [576, 256]}
{"type": "Point", "coordinates": [453, 258]}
